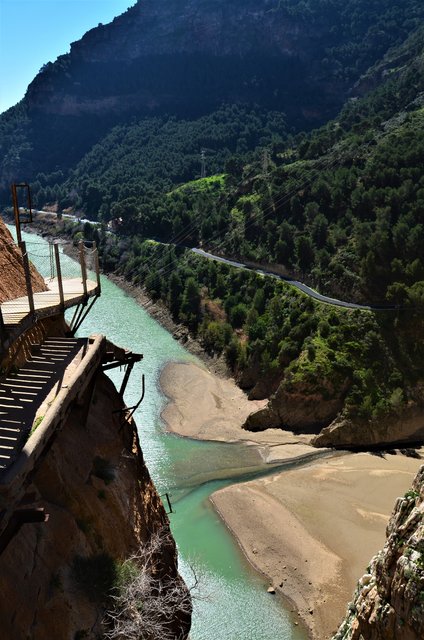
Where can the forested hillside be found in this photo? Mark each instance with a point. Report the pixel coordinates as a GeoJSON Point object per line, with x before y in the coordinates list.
{"type": "Point", "coordinates": [310, 117]}
{"type": "Point", "coordinates": [185, 60]}
{"type": "Point", "coordinates": [340, 207]}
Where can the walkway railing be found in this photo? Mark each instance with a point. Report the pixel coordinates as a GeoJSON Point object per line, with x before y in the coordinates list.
{"type": "Point", "coordinates": [69, 283]}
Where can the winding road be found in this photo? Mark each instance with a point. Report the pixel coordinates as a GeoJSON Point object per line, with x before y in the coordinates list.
{"type": "Point", "coordinates": [299, 285]}
{"type": "Point", "coordinates": [295, 283]}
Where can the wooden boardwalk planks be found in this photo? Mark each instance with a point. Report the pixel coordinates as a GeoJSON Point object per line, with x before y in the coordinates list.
{"type": "Point", "coordinates": [22, 392]}
{"type": "Point", "coordinates": [47, 303]}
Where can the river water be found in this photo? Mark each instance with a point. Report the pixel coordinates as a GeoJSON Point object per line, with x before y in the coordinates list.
{"type": "Point", "coordinates": [233, 602]}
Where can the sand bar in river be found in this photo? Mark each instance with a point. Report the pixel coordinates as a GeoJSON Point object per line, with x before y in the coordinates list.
{"type": "Point", "coordinates": [312, 529]}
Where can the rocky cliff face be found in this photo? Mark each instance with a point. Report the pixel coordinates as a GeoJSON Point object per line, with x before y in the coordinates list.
{"type": "Point", "coordinates": [185, 59]}
{"type": "Point", "coordinates": [401, 426]}
{"type": "Point", "coordinates": [55, 576]}
{"type": "Point", "coordinates": [389, 601]}
{"type": "Point", "coordinates": [304, 409]}
{"type": "Point", "coordinates": [299, 408]}
{"type": "Point", "coordinates": [190, 56]}
{"type": "Point", "coordinates": [152, 28]}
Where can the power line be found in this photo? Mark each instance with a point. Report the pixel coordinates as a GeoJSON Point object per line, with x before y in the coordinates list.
{"type": "Point", "coordinates": [184, 233]}
{"type": "Point", "coordinates": [264, 214]}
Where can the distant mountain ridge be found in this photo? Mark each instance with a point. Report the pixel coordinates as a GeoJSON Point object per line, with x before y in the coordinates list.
{"type": "Point", "coordinates": [188, 58]}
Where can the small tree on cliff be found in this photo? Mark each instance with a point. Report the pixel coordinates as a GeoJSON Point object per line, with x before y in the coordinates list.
{"type": "Point", "coordinates": [149, 605]}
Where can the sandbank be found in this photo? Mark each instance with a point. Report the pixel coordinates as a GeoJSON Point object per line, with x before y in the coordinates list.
{"type": "Point", "coordinates": [313, 530]}
{"type": "Point", "coordinates": [207, 407]}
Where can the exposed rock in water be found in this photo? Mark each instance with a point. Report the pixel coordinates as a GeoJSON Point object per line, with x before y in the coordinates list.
{"type": "Point", "coordinates": [389, 600]}
{"type": "Point", "coordinates": [55, 577]}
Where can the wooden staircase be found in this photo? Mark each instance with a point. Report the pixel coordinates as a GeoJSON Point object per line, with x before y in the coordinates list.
{"type": "Point", "coordinates": [22, 392]}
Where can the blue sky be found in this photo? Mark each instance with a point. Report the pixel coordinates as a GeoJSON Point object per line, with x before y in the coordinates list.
{"type": "Point", "coordinates": [33, 32]}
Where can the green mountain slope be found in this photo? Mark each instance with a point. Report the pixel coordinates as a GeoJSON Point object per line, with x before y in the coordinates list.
{"type": "Point", "coordinates": [186, 60]}
{"type": "Point", "coordinates": [115, 129]}
{"type": "Point", "coordinates": [342, 207]}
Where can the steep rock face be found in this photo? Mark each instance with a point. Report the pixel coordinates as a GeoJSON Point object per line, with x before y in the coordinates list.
{"type": "Point", "coordinates": [185, 27]}
{"type": "Point", "coordinates": [151, 55]}
{"type": "Point", "coordinates": [405, 426]}
{"type": "Point", "coordinates": [186, 58]}
{"type": "Point", "coordinates": [12, 282]}
{"type": "Point", "coordinates": [298, 408]}
{"type": "Point", "coordinates": [389, 600]}
{"type": "Point", "coordinates": [303, 408]}
{"type": "Point", "coordinates": [102, 506]}
{"type": "Point", "coordinates": [395, 63]}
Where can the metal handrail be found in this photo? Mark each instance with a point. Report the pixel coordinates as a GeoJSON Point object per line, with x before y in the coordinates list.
{"type": "Point", "coordinates": [88, 259]}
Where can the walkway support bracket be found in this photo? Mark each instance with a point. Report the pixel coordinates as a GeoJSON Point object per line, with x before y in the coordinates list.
{"type": "Point", "coordinates": [128, 361]}
{"type": "Point", "coordinates": [80, 315]}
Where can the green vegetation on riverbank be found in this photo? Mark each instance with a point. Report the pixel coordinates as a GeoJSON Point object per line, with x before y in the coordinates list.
{"type": "Point", "coordinates": [270, 333]}
{"type": "Point", "coordinates": [340, 206]}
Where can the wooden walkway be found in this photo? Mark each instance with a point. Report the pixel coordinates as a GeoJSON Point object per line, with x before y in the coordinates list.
{"type": "Point", "coordinates": [17, 316]}
{"type": "Point", "coordinates": [47, 303]}
{"type": "Point", "coordinates": [22, 392]}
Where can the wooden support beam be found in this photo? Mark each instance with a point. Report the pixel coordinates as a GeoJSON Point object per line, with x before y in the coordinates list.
{"type": "Point", "coordinates": [2, 331]}
{"type": "Point", "coordinates": [27, 272]}
{"type": "Point", "coordinates": [96, 259]}
{"type": "Point", "coordinates": [16, 213]}
{"type": "Point", "coordinates": [59, 275]}
{"type": "Point", "coordinates": [83, 267]}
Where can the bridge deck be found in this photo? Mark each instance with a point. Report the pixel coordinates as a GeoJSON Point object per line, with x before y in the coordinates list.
{"type": "Point", "coordinates": [47, 303]}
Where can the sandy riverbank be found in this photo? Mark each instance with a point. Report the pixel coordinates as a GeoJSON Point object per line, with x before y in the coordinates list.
{"type": "Point", "coordinates": [208, 407]}
{"type": "Point", "coordinates": [312, 530]}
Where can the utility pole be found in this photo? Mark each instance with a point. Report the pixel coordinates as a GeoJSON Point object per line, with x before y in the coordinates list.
{"type": "Point", "coordinates": [203, 163]}
{"type": "Point", "coordinates": [265, 161]}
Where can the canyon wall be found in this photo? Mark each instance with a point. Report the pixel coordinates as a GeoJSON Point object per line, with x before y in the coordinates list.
{"type": "Point", "coordinates": [388, 603]}
{"type": "Point", "coordinates": [56, 576]}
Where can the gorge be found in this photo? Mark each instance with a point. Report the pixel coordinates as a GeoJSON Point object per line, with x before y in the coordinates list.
{"type": "Point", "coordinates": [182, 141]}
{"type": "Point", "coordinates": [191, 470]}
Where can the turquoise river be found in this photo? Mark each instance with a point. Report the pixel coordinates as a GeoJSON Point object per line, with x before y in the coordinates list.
{"type": "Point", "coordinates": [233, 603]}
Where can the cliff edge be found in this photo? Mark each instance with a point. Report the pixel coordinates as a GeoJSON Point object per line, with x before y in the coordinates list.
{"type": "Point", "coordinates": [56, 577]}
{"type": "Point", "coordinates": [389, 600]}
{"type": "Point", "coordinates": [84, 536]}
